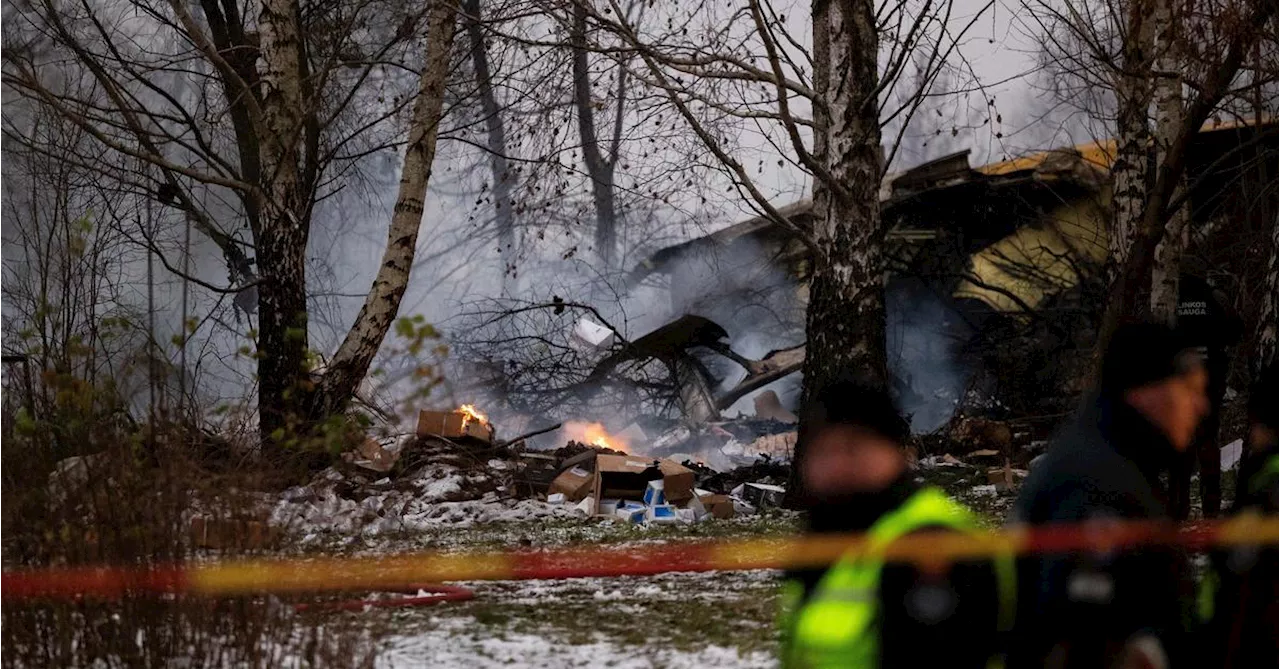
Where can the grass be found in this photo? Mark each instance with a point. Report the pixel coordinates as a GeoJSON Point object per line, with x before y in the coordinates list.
{"type": "Point", "coordinates": [680, 612]}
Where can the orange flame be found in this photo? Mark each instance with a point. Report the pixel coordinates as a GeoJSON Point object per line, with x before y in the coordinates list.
{"type": "Point", "coordinates": [470, 413]}
{"type": "Point", "coordinates": [594, 434]}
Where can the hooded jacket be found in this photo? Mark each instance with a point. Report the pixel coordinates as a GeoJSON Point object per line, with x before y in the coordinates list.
{"type": "Point", "coordinates": [1103, 465]}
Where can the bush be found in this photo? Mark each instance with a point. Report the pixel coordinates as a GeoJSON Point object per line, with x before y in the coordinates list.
{"type": "Point", "coordinates": [127, 498]}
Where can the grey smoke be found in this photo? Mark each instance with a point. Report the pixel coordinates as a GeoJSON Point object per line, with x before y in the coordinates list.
{"type": "Point", "coordinates": [922, 334]}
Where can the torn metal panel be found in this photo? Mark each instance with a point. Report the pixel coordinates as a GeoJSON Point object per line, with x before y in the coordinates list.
{"type": "Point", "coordinates": [1021, 271]}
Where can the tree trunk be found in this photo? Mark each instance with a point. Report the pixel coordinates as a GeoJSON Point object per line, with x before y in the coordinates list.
{"type": "Point", "coordinates": [1129, 170]}
{"type": "Point", "coordinates": [599, 170]}
{"type": "Point", "coordinates": [845, 320]}
{"type": "Point", "coordinates": [284, 207]}
{"type": "Point", "coordinates": [351, 362]}
{"type": "Point", "coordinates": [1264, 347]}
{"type": "Point", "coordinates": [1168, 94]}
{"type": "Point", "coordinates": [1133, 280]}
{"type": "Point", "coordinates": [496, 136]}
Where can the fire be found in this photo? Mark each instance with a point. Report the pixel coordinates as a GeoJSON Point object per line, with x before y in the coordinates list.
{"type": "Point", "coordinates": [470, 413]}
{"type": "Point", "coordinates": [594, 434]}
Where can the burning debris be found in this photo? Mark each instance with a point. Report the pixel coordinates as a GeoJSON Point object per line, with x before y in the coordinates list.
{"type": "Point", "coordinates": [455, 471]}
{"type": "Point", "coordinates": [594, 434]}
{"type": "Point", "coordinates": [465, 422]}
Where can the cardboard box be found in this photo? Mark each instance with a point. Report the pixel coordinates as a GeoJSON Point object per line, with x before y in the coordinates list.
{"type": "Point", "coordinates": [628, 476]}
{"type": "Point", "coordinates": [653, 494]}
{"type": "Point", "coordinates": [718, 506]}
{"type": "Point", "coordinates": [677, 481]}
{"type": "Point", "coordinates": [574, 483]}
{"type": "Point", "coordinates": [371, 455]}
{"type": "Point", "coordinates": [453, 425]}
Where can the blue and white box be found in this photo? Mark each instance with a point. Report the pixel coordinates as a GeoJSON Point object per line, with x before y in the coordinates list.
{"type": "Point", "coordinates": [630, 515]}
{"type": "Point", "coordinates": [661, 514]}
{"type": "Point", "coordinates": [654, 494]}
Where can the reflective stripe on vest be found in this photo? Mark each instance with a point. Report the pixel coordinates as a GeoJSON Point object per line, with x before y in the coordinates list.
{"type": "Point", "coordinates": [837, 626]}
{"type": "Point", "coordinates": [1265, 475]}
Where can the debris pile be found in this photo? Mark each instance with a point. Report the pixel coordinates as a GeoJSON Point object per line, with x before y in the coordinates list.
{"type": "Point", "coordinates": [455, 472]}
{"type": "Point", "coordinates": [653, 491]}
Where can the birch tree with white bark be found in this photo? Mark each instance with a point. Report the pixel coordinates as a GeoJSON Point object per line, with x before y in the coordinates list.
{"type": "Point", "coordinates": [821, 108]}
{"type": "Point", "coordinates": [1161, 70]}
{"type": "Point", "coordinates": [267, 106]}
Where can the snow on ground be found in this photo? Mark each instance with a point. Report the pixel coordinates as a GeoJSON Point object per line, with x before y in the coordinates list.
{"type": "Point", "coordinates": [459, 643]}
{"type": "Point", "coordinates": [428, 501]}
{"type": "Point", "coordinates": [713, 620]}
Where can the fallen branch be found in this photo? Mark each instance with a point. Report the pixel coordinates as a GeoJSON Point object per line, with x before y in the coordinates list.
{"type": "Point", "coordinates": [529, 435]}
{"type": "Point", "coordinates": [778, 364]}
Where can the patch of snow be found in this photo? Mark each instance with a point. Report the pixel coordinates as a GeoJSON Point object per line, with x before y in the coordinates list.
{"type": "Point", "coordinates": [440, 488]}
{"type": "Point", "coordinates": [463, 642]}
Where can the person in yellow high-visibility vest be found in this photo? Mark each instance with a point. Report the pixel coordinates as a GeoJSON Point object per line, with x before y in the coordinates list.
{"type": "Point", "coordinates": [861, 613]}
{"type": "Point", "coordinates": [1239, 598]}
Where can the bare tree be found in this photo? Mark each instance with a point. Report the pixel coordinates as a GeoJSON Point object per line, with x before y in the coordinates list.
{"type": "Point", "coordinates": [751, 68]}
{"type": "Point", "coordinates": [495, 130]}
{"type": "Point", "coordinates": [1226, 34]}
{"type": "Point", "coordinates": [287, 76]}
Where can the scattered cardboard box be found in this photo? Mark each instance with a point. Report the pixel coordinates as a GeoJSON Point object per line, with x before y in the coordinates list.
{"type": "Point", "coordinates": [373, 456]}
{"type": "Point", "coordinates": [556, 498]}
{"type": "Point", "coordinates": [628, 476]}
{"type": "Point", "coordinates": [1000, 477]}
{"type": "Point", "coordinates": [677, 481]}
{"type": "Point", "coordinates": [718, 506]}
{"type": "Point", "coordinates": [574, 483]}
{"type": "Point", "coordinates": [538, 470]}
{"type": "Point", "coordinates": [453, 425]}
{"type": "Point", "coordinates": [586, 460]}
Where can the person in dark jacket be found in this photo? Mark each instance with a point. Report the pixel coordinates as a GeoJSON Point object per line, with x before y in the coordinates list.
{"type": "Point", "coordinates": [1240, 592]}
{"type": "Point", "coordinates": [1111, 610]}
{"type": "Point", "coordinates": [1206, 321]}
{"type": "Point", "coordinates": [862, 613]}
